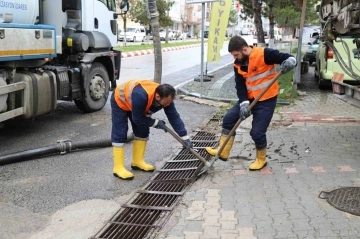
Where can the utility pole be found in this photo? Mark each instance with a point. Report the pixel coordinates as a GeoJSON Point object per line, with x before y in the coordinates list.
{"type": "Point", "coordinates": [297, 72]}
{"type": "Point", "coordinates": [124, 7]}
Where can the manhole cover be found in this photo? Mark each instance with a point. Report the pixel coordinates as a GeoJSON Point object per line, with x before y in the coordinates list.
{"type": "Point", "coordinates": [345, 199]}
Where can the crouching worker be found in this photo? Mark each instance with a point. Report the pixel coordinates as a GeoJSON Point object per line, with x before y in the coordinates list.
{"type": "Point", "coordinates": [137, 100]}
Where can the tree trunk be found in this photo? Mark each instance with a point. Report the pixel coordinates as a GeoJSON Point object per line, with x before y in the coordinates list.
{"type": "Point", "coordinates": [258, 22]}
{"type": "Point", "coordinates": [167, 35]}
{"type": "Point", "coordinates": [154, 21]}
{"type": "Point", "coordinates": [272, 24]}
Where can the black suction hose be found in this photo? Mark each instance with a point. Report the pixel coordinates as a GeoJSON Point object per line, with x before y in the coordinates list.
{"type": "Point", "coordinates": [62, 147]}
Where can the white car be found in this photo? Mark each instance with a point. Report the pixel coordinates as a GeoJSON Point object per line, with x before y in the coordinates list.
{"type": "Point", "coordinates": [162, 34]}
{"type": "Point", "coordinates": [137, 33]}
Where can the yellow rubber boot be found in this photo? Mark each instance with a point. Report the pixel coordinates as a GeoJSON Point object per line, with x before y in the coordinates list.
{"type": "Point", "coordinates": [138, 162]}
{"type": "Point", "coordinates": [119, 168]}
{"type": "Point", "coordinates": [260, 160]}
{"type": "Point", "coordinates": [226, 151]}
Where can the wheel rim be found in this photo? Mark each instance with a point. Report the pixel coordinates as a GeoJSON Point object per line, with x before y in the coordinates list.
{"type": "Point", "coordinates": [97, 87]}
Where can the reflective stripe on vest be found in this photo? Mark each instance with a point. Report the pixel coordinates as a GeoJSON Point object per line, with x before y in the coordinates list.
{"type": "Point", "coordinates": [259, 86]}
{"type": "Point", "coordinates": [259, 76]}
{"type": "Point", "coordinates": [262, 75]}
{"type": "Point", "coordinates": [130, 89]}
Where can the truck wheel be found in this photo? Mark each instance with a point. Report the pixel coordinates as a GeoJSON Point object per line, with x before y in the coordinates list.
{"type": "Point", "coordinates": [322, 84]}
{"type": "Point", "coordinates": [96, 90]}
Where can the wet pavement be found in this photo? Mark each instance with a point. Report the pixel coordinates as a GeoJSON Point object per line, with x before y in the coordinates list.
{"type": "Point", "coordinates": [318, 150]}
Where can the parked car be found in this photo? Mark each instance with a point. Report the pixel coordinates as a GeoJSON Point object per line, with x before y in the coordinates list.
{"type": "Point", "coordinates": [310, 54]}
{"type": "Point", "coordinates": [162, 34]}
{"type": "Point", "coordinates": [135, 33]}
{"type": "Point", "coordinates": [326, 64]}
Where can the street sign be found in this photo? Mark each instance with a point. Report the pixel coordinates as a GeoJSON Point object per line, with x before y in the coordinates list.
{"type": "Point", "coordinates": [199, 1]}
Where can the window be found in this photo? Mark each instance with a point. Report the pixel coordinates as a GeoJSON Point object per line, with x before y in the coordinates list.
{"type": "Point", "coordinates": [110, 4]}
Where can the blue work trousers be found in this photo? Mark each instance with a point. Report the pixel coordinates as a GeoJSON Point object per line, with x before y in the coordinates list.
{"type": "Point", "coordinates": [262, 114]}
{"type": "Point", "coordinates": [120, 119]}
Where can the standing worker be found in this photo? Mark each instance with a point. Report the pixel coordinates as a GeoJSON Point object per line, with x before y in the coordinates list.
{"type": "Point", "coordinates": [137, 101]}
{"type": "Point", "coordinates": [254, 69]}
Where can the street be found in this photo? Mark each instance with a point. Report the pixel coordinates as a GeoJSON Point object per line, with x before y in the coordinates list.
{"type": "Point", "coordinates": [39, 189]}
{"type": "Point", "coordinates": [72, 196]}
{"type": "Point", "coordinates": [142, 67]}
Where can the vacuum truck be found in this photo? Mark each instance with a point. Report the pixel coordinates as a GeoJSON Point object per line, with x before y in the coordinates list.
{"type": "Point", "coordinates": [56, 50]}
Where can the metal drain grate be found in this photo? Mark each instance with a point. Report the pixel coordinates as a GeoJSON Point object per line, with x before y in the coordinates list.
{"type": "Point", "coordinates": [176, 174]}
{"type": "Point", "coordinates": [215, 119]}
{"type": "Point", "coordinates": [149, 209]}
{"type": "Point", "coordinates": [165, 187]}
{"type": "Point", "coordinates": [204, 136]}
{"type": "Point", "coordinates": [345, 199]}
{"type": "Point", "coordinates": [200, 151]}
{"type": "Point", "coordinates": [204, 144]}
{"type": "Point", "coordinates": [132, 223]}
{"type": "Point", "coordinates": [178, 164]}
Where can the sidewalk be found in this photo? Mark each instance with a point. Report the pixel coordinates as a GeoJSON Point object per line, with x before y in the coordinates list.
{"type": "Point", "coordinates": [313, 147]}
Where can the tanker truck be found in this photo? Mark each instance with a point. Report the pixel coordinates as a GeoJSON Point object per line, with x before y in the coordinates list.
{"type": "Point", "coordinates": [56, 50]}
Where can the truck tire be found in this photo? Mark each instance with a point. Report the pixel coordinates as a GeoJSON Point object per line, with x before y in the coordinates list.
{"type": "Point", "coordinates": [322, 84]}
{"type": "Point", "coordinates": [96, 90]}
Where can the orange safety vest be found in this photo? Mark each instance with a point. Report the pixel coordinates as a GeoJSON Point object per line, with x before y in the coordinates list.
{"type": "Point", "coordinates": [123, 93]}
{"type": "Point", "coordinates": [259, 75]}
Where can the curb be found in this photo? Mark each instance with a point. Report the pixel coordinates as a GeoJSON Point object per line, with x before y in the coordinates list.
{"type": "Point", "coordinates": [197, 95]}
{"type": "Point", "coordinates": [177, 87]}
{"type": "Point", "coordinates": [165, 49]}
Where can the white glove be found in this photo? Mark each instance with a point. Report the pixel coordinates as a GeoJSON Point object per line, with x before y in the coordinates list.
{"type": "Point", "coordinates": [288, 65]}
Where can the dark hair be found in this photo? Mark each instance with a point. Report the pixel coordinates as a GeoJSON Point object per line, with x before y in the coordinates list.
{"type": "Point", "coordinates": [165, 90]}
{"type": "Point", "coordinates": [237, 43]}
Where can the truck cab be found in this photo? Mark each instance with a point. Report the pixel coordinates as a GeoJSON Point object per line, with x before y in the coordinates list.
{"type": "Point", "coordinates": [54, 50]}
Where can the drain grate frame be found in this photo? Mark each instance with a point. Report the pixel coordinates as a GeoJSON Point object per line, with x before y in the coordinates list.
{"type": "Point", "coordinates": [346, 199]}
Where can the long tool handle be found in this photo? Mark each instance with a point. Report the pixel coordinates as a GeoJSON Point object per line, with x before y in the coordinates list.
{"type": "Point", "coordinates": [178, 138]}
{"type": "Point", "coordinates": [249, 108]}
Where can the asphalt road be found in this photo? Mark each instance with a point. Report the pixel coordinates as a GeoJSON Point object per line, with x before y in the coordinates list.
{"type": "Point", "coordinates": [142, 67]}
{"type": "Point", "coordinates": [71, 196]}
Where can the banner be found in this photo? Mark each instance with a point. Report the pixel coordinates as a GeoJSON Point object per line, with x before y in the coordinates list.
{"type": "Point", "coordinates": [219, 19]}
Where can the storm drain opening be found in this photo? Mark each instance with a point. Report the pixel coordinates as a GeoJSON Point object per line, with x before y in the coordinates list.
{"type": "Point", "coordinates": [133, 223]}
{"type": "Point", "coordinates": [178, 164]}
{"type": "Point", "coordinates": [215, 119]}
{"type": "Point", "coordinates": [204, 144]}
{"type": "Point", "coordinates": [148, 210]}
{"type": "Point", "coordinates": [346, 199]}
{"type": "Point", "coordinates": [178, 175]}
{"type": "Point", "coordinates": [201, 135]}
{"type": "Point", "coordinates": [166, 187]}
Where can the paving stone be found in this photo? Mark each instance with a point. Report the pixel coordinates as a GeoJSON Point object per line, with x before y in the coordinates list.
{"type": "Point", "coordinates": [194, 226]}
{"type": "Point", "coordinates": [211, 221]}
{"type": "Point", "coordinates": [192, 235]}
{"type": "Point", "coordinates": [177, 231]}
{"type": "Point", "coordinates": [211, 232]}
{"type": "Point", "coordinates": [195, 216]}
{"type": "Point", "coordinates": [281, 201]}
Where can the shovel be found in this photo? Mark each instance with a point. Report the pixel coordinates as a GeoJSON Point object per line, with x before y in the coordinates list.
{"type": "Point", "coordinates": [178, 138]}
{"type": "Point", "coordinates": [216, 157]}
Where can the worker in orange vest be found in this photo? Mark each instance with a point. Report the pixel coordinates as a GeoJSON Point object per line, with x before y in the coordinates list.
{"type": "Point", "coordinates": [254, 69]}
{"type": "Point", "coordinates": [137, 101]}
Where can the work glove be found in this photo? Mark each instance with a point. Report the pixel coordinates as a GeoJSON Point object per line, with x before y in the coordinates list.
{"type": "Point", "coordinates": [160, 124]}
{"type": "Point", "coordinates": [187, 142]}
{"type": "Point", "coordinates": [288, 65]}
{"type": "Point", "coordinates": [244, 113]}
